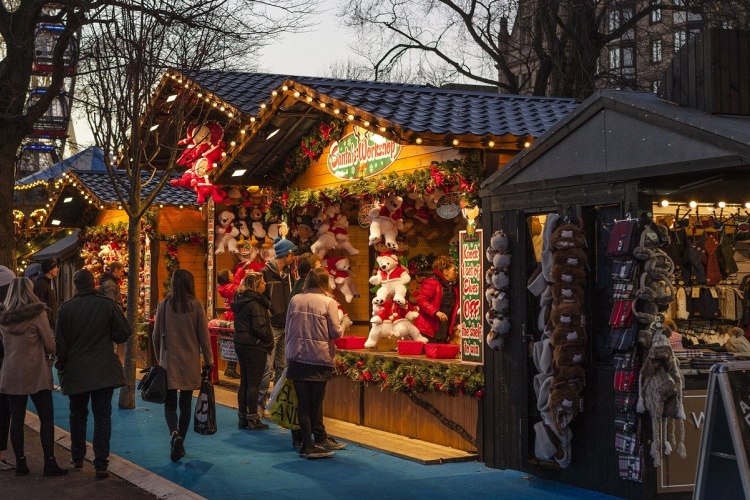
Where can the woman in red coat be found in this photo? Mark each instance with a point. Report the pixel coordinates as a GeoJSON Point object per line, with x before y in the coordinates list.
{"type": "Point", "coordinates": [438, 302]}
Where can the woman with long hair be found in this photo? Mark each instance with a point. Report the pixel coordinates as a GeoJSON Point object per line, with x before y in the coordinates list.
{"type": "Point", "coordinates": [312, 322]}
{"type": "Point", "coordinates": [27, 341]}
{"type": "Point", "coordinates": [180, 335]}
{"type": "Point", "coordinates": [253, 342]}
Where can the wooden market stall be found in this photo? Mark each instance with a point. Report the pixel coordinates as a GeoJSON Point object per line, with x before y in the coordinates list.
{"type": "Point", "coordinates": [621, 155]}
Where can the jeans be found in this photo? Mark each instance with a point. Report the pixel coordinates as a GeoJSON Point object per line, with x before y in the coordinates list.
{"type": "Point", "coordinates": [318, 430]}
{"type": "Point", "coordinates": [43, 403]}
{"type": "Point", "coordinates": [101, 406]}
{"type": "Point", "coordinates": [277, 361]}
{"type": "Point", "coordinates": [309, 403]}
{"type": "Point", "coordinates": [4, 421]}
{"type": "Point", "coordinates": [170, 411]}
{"type": "Point", "coordinates": [252, 365]}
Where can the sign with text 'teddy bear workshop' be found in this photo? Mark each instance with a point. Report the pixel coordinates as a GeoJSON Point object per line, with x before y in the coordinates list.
{"type": "Point", "coordinates": [361, 154]}
{"type": "Point", "coordinates": [472, 305]}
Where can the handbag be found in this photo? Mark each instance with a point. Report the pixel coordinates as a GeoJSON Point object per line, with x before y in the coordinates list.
{"type": "Point", "coordinates": [204, 421]}
{"type": "Point", "coordinates": [153, 385]}
{"type": "Point", "coordinates": [623, 238]}
{"type": "Point", "coordinates": [283, 404]}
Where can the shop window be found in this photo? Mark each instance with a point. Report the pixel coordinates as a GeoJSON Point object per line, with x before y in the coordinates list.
{"type": "Point", "coordinates": [655, 16]}
{"type": "Point", "coordinates": [656, 51]}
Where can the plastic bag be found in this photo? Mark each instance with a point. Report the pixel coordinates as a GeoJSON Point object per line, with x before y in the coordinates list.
{"type": "Point", "coordinates": [153, 385]}
{"type": "Point", "coordinates": [283, 403]}
{"type": "Point", "coordinates": [204, 421]}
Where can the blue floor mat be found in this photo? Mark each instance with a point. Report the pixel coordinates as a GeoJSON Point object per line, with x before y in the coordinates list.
{"type": "Point", "coordinates": [235, 464]}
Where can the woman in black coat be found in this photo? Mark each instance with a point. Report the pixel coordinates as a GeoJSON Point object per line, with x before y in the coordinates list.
{"type": "Point", "coordinates": [253, 342]}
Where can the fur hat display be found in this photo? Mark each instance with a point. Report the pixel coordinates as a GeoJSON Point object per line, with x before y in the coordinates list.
{"type": "Point", "coordinates": [498, 281]}
{"type": "Point", "coordinates": [571, 257]}
{"type": "Point", "coordinates": [567, 293]}
{"type": "Point", "coordinates": [567, 236]}
{"type": "Point", "coordinates": [568, 315]}
{"type": "Point", "coordinates": [569, 275]}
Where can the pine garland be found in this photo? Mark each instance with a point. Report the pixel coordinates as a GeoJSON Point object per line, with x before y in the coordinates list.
{"type": "Point", "coordinates": [405, 377]}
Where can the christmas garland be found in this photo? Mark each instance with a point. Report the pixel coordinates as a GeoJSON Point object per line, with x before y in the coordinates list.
{"type": "Point", "coordinates": [465, 174]}
{"type": "Point", "coordinates": [451, 380]}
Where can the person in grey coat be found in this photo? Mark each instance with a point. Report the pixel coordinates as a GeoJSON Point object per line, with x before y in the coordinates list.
{"type": "Point", "coordinates": [109, 282]}
{"type": "Point", "coordinates": [89, 369]}
{"type": "Point", "coordinates": [180, 336]}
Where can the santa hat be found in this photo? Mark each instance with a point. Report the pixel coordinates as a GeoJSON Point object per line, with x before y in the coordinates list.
{"type": "Point", "coordinates": [392, 256]}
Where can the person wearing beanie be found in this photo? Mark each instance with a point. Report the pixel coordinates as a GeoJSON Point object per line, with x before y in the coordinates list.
{"type": "Point", "coordinates": [6, 276]}
{"type": "Point", "coordinates": [45, 290]}
{"type": "Point", "coordinates": [278, 280]}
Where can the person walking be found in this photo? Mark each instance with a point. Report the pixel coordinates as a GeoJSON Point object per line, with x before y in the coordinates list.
{"type": "Point", "coordinates": [6, 276]}
{"type": "Point", "coordinates": [305, 263]}
{"type": "Point", "coordinates": [180, 335]}
{"type": "Point", "coordinates": [278, 279]}
{"type": "Point", "coordinates": [44, 288]}
{"type": "Point", "coordinates": [253, 342]}
{"type": "Point", "coordinates": [89, 369]}
{"type": "Point", "coordinates": [109, 282]}
{"type": "Point", "coordinates": [438, 302]}
{"type": "Point", "coordinates": [27, 341]}
{"type": "Point", "coordinates": [228, 284]}
{"type": "Point", "coordinates": [312, 323]}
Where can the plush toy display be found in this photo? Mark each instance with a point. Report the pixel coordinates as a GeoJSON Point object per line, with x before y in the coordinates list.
{"type": "Point", "coordinates": [204, 149]}
{"type": "Point", "coordinates": [392, 277]}
{"type": "Point", "coordinates": [340, 270]}
{"type": "Point", "coordinates": [248, 255]}
{"type": "Point", "coordinates": [326, 238]}
{"type": "Point", "coordinates": [344, 319]}
{"type": "Point", "coordinates": [386, 222]}
{"type": "Point", "coordinates": [303, 233]}
{"type": "Point", "coordinates": [226, 233]}
{"type": "Point", "coordinates": [379, 329]}
{"type": "Point", "coordinates": [339, 225]}
{"type": "Point", "coordinates": [256, 226]}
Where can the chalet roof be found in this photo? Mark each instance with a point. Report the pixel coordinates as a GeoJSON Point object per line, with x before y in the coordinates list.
{"type": "Point", "coordinates": [91, 158]}
{"type": "Point", "coordinates": [100, 185]}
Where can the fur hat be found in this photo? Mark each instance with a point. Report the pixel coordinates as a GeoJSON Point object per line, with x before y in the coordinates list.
{"type": "Point", "coordinates": [569, 375]}
{"type": "Point", "coordinates": [564, 404]}
{"type": "Point", "coordinates": [501, 280]}
{"type": "Point", "coordinates": [659, 266]}
{"type": "Point", "coordinates": [567, 354]}
{"type": "Point", "coordinates": [568, 314]}
{"type": "Point", "coordinates": [495, 341]}
{"type": "Point", "coordinates": [572, 257]}
{"type": "Point", "coordinates": [645, 311]}
{"type": "Point", "coordinates": [501, 260]}
{"type": "Point", "coordinates": [737, 342]}
{"type": "Point", "coordinates": [499, 241]}
{"type": "Point", "coordinates": [567, 236]}
{"type": "Point", "coordinates": [568, 275]}
{"type": "Point", "coordinates": [501, 303]}
{"type": "Point", "coordinates": [565, 334]}
{"type": "Point", "coordinates": [567, 293]}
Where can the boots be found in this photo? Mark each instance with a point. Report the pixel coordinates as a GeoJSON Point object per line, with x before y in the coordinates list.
{"type": "Point", "coordinates": [21, 468]}
{"type": "Point", "coordinates": [242, 423]}
{"type": "Point", "coordinates": [255, 424]}
{"type": "Point", "coordinates": [52, 469]}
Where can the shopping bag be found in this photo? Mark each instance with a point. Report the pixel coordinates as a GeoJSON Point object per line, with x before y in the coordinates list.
{"type": "Point", "coordinates": [204, 421]}
{"type": "Point", "coordinates": [283, 404]}
{"type": "Point", "coordinates": [153, 385]}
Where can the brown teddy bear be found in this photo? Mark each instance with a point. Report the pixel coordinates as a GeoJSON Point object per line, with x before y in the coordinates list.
{"type": "Point", "coordinates": [564, 404]}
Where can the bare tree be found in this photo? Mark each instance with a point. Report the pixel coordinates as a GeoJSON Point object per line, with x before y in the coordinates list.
{"type": "Point", "coordinates": [138, 114]}
{"type": "Point", "coordinates": [258, 21]}
{"type": "Point", "coordinates": [542, 47]}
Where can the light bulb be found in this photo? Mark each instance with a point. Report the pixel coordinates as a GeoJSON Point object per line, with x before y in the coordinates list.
{"type": "Point", "coordinates": [693, 204]}
{"type": "Point", "coordinates": [664, 203]}
{"type": "Point", "coordinates": [722, 204]}
{"type": "Point", "coordinates": [418, 140]}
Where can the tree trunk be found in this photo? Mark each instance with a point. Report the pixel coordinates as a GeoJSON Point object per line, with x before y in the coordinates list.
{"type": "Point", "coordinates": [7, 233]}
{"type": "Point", "coordinates": [127, 393]}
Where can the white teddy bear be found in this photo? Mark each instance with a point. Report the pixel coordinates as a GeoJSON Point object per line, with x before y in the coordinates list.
{"type": "Point", "coordinates": [403, 323]}
{"type": "Point", "coordinates": [344, 319]}
{"type": "Point", "coordinates": [339, 225]}
{"type": "Point", "coordinates": [379, 328]}
{"type": "Point", "coordinates": [105, 251]}
{"type": "Point", "coordinates": [343, 278]}
{"type": "Point", "coordinates": [226, 233]}
{"type": "Point", "coordinates": [386, 222]}
{"type": "Point", "coordinates": [392, 277]}
{"type": "Point", "coordinates": [326, 239]}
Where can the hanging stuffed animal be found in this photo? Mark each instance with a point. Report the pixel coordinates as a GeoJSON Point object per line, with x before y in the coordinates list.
{"type": "Point", "coordinates": [339, 225]}
{"type": "Point", "coordinates": [303, 233]}
{"type": "Point", "coordinates": [226, 233]}
{"type": "Point", "coordinates": [392, 277]}
{"type": "Point", "coordinates": [386, 221]}
{"type": "Point", "coordinates": [344, 319]}
{"type": "Point", "coordinates": [326, 238]}
{"type": "Point", "coordinates": [204, 150]}
{"type": "Point", "coordinates": [340, 270]}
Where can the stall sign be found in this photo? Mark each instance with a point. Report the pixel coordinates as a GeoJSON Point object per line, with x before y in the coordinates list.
{"type": "Point", "coordinates": [361, 154]}
{"type": "Point", "coordinates": [227, 350]}
{"type": "Point", "coordinates": [472, 305]}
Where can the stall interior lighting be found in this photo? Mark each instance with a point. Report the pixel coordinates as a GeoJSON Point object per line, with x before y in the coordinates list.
{"type": "Point", "coordinates": [172, 98]}
{"type": "Point", "coordinates": [273, 133]}
{"type": "Point", "coordinates": [55, 222]}
{"type": "Point", "coordinates": [154, 127]}
{"type": "Point", "coordinates": [68, 199]}
{"type": "Point", "coordinates": [239, 172]}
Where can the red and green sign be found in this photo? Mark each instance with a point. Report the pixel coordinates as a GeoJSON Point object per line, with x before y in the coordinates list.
{"type": "Point", "coordinates": [472, 305]}
{"type": "Point", "coordinates": [361, 154]}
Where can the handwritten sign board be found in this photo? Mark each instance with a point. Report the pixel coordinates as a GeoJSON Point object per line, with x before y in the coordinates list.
{"type": "Point", "coordinates": [723, 470]}
{"type": "Point", "coordinates": [472, 305]}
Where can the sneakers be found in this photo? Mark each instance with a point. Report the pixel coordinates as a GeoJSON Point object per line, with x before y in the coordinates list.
{"type": "Point", "coordinates": [331, 444]}
{"type": "Point", "coordinates": [5, 465]}
{"type": "Point", "coordinates": [315, 453]}
{"type": "Point", "coordinates": [177, 449]}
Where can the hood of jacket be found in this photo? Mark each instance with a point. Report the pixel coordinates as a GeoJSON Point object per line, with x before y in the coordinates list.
{"type": "Point", "coordinates": [440, 277]}
{"type": "Point", "coordinates": [271, 264]}
{"type": "Point", "coordinates": [17, 321]}
{"type": "Point", "coordinates": [108, 277]}
{"type": "Point", "coordinates": [249, 296]}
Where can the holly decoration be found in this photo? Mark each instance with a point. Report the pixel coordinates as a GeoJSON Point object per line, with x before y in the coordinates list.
{"type": "Point", "coordinates": [452, 380]}
{"type": "Point", "coordinates": [175, 241]}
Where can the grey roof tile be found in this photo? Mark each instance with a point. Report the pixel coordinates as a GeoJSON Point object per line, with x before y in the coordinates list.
{"type": "Point", "coordinates": [100, 185]}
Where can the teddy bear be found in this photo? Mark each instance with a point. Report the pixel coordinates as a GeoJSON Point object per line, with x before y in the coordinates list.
{"type": "Point", "coordinates": [379, 328]}
{"type": "Point", "coordinates": [568, 374]}
{"type": "Point", "coordinates": [241, 217]}
{"type": "Point", "coordinates": [571, 257]}
{"type": "Point", "coordinates": [564, 404]}
{"type": "Point", "coordinates": [105, 251]}
{"type": "Point", "coordinates": [339, 224]}
{"type": "Point", "coordinates": [226, 233]}
{"type": "Point", "coordinates": [403, 323]}
{"type": "Point", "coordinates": [386, 221]}
{"type": "Point", "coordinates": [344, 319]}
{"type": "Point", "coordinates": [392, 277]}
{"type": "Point", "coordinates": [568, 275]}
{"type": "Point", "coordinates": [341, 272]}
{"type": "Point", "coordinates": [256, 226]}
{"type": "Point", "coordinates": [326, 238]}
{"type": "Point", "coordinates": [303, 233]}
{"type": "Point", "coordinates": [567, 293]}
{"type": "Point", "coordinates": [567, 314]}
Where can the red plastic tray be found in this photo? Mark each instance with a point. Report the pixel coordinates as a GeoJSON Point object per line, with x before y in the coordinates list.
{"type": "Point", "coordinates": [441, 351]}
{"type": "Point", "coordinates": [350, 342]}
{"type": "Point", "coordinates": [410, 347]}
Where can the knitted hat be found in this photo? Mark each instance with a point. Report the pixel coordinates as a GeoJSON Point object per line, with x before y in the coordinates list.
{"type": "Point", "coordinates": [282, 248]}
{"type": "Point", "coordinates": [6, 276]}
{"type": "Point", "coordinates": [48, 265]}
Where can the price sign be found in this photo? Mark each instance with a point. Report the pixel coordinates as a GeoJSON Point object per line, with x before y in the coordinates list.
{"type": "Point", "coordinates": [472, 305]}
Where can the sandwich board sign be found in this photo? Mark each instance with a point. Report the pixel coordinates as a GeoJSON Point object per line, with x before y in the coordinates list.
{"type": "Point", "coordinates": [725, 444]}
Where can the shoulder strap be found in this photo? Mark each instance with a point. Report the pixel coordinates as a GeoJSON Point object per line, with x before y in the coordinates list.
{"type": "Point", "coordinates": [161, 310]}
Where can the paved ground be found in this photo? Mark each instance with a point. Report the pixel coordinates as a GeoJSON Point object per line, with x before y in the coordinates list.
{"type": "Point", "coordinates": [78, 484]}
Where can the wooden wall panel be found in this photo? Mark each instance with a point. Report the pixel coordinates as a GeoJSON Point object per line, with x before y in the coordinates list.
{"type": "Point", "coordinates": [110, 217]}
{"type": "Point", "coordinates": [342, 400]}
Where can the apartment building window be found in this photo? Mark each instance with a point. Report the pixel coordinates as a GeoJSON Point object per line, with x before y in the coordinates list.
{"type": "Point", "coordinates": [628, 57]}
{"type": "Point", "coordinates": [656, 51]}
{"type": "Point", "coordinates": [654, 87]}
{"type": "Point", "coordinates": [656, 13]}
{"type": "Point", "coordinates": [680, 37]}
{"type": "Point", "coordinates": [614, 20]}
{"type": "Point", "coordinates": [614, 58]}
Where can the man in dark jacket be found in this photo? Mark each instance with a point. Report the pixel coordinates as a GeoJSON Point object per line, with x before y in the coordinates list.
{"type": "Point", "coordinates": [88, 367]}
{"type": "Point", "coordinates": [109, 282]}
{"type": "Point", "coordinates": [278, 292]}
{"type": "Point", "coordinates": [45, 290]}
